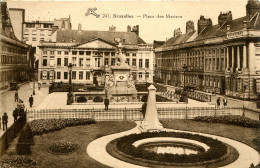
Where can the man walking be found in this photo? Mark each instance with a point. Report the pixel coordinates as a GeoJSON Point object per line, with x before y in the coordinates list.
{"type": "Point", "coordinates": [15, 114]}
{"type": "Point", "coordinates": [225, 101]}
{"type": "Point", "coordinates": [4, 121]}
{"type": "Point", "coordinates": [16, 96]}
{"type": "Point", "coordinates": [218, 102]}
{"type": "Point", "coordinates": [106, 102]}
{"type": "Point", "coordinates": [31, 101]}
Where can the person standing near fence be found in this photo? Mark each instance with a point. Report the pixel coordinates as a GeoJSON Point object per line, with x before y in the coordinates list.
{"type": "Point", "coordinates": [218, 102]}
{"type": "Point", "coordinates": [4, 121]}
{"type": "Point", "coordinates": [225, 101]}
{"type": "Point", "coordinates": [144, 109]}
{"type": "Point", "coordinates": [106, 102]}
{"type": "Point", "coordinates": [31, 101]}
{"type": "Point", "coordinates": [15, 114]}
{"type": "Point", "coordinates": [16, 96]}
{"type": "Point", "coordinates": [39, 86]}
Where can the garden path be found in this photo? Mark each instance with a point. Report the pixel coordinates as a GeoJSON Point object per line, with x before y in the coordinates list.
{"type": "Point", "coordinates": [97, 150]}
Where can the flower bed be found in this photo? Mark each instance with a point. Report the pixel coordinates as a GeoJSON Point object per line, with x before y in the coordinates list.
{"type": "Point", "coordinates": [49, 125]}
{"type": "Point", "coordinates": [257, 140]}
{"type": "Point", "coordinates": [233, 120]}
{"type": "Point", "coordinates": [21, 162]}
{"type": "Point", "coordinates": [217, 149]}
{"type": "Point", "coordinates": [62, 147]}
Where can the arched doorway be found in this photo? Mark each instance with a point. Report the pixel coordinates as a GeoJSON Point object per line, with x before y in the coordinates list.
{"type": "Point", "coordinates": [97, 78]}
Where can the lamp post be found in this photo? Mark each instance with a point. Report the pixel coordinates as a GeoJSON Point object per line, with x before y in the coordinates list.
{"type": "Point", "coordinates": [184, 93]}
{"type": "Point", "coordinates": [70, 95]}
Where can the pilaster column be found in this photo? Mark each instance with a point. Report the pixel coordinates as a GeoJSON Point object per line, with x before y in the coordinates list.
{"type": "Point", "coordinates": [232, 65]}
{"type": "Point", "coordinates": [251, 56]}
{"type": "Point", "coordinates": [238, 57]}
{"type": "Point", "coordinates": [244, 56]}
{"type": "Point", "coordinates": [211, 61]}
{"type": "Point", "coordinates": [227, 55]}
{"type": "Point", "coordinates": [215, 59]}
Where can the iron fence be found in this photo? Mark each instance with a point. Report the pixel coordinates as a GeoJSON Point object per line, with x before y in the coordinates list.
{"type": "Point", "coordinates": [114, 114]}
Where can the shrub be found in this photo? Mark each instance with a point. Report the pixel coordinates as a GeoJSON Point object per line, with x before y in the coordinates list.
{"type": "Point", "coordinates": [98, 99]}
{"type": "Point", "coordinates": [25, 140]}
{"type": "Point", "coordinates": [217, 148]}
{"type": "Point", "coordinates": [20, 161]}
{"type": "Point", "coordinates": [257, 140]}
{"type": "Point", "coordinates": [233, 120]}
{"type": "Point", "coordinates": [63, 147]}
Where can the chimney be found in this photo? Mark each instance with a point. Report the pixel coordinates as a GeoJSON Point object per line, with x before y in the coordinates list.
{"type": "Point", "coordinates": [252, 7]}
{"type": "Point", "coordinates": [224, 17]}
{"type": "Point", "coordinates": [112, 28]}
{"type": "Point", "coordinates": [136, 29]}
{"type": "Point", "coordinates": [128, 28]}
{"type": "Point", "coordinates": [177, 32]}
{"type": "Point", "coordinates": [79, 27]}
{"type": "Point", "coordinates": [189, 27]}
{"type": "Point", "coordinates": [203, 23]}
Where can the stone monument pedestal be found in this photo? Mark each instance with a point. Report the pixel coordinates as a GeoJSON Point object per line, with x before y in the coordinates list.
{"type": "Point", "coordinates": [151, 122]}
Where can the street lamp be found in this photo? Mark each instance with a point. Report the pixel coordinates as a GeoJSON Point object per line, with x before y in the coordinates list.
{"type": "Point", "coordinates": [184, 93]}
{"type": "Point", "coordinates": [70, 95]}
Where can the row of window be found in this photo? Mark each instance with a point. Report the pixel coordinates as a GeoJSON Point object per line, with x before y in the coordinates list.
{"type": "Point", "coordinates": [34, 32]}
{"type": "Point", "coordinates": [97, 62]}
{"type": "Point", "coordinates": [58, 75]}
{"type": "Point", "coordinates": [5, 59]}
{"type": "Point", "coordinates": [13, 50]}
{"type": "Point", "coordinates": [33, 25]}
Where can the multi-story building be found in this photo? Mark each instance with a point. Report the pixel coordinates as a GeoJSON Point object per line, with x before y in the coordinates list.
{"type": "Point", "coordinates": [15, 54]}
{"type": "Point", "coordinates": [92, 53]}
{"type": "Point", "coordinates": [222, 58]}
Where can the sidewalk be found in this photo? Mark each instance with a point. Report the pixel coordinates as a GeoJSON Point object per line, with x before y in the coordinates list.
{"type": "Point", "coordinates": [7, 103]}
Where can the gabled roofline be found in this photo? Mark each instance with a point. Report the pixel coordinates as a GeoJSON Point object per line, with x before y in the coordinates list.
{"type": "Point", "coordinates": [94, 39]}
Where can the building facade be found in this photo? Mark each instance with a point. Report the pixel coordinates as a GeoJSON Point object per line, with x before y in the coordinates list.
{"type": "Point", "coordinates": [15, 54]}
{"type": "Point", "coordinates": [222, 58]}
{"type": "Point", "coordinates": [92, 53]}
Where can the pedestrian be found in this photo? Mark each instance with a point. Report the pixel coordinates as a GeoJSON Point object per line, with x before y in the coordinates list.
{"type": "Point", "coordinates": [39, 86]}
{"type": "Point", "coordinates": [15, 114]}
{"type": "Point", "coordinates": [106, 102]}
{"type": "Point", "coordinates": [218, 102]}
{"type": "Point", "coordinates": [31, 101]}
{"type": "Point", "coordinates": [16, 96]}
{"type": "Point", "coordinates": [144, 109]}
{"type": "Point", "coordinates": [225, 101]}
{"type": "Point", "coordinates": [4, 121]}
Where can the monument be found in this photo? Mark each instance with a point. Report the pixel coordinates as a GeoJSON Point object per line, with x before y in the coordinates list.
{"type": "Point", "coordinates": [151, 122]}
{"type": "Point", "coordinates": [119, 85]}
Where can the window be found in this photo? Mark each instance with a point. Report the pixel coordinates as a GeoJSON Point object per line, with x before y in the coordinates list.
{"type": "Point", "coordinates": [52, 52]}
{"type": "Point", "coordinates": [45, 52]}
{"type": "Point", "coordinates": [80, 75]}
{"type": "Point", "coordinates": [81, 62]}
{"type": "Point", "coordinates": [44, 62]}
{"type": "Point", "coordinates": [97, 62]}
{"type": "Point", "coordinates": [30, 25]}
{"type": "Point", "coordinates": [106, 53]}
{"type": "Point", "coordinates": [65, 75]}
{"type": "Point", "coordinates": [51, 62]}
{"type": "Point", "coordinates": [34, 39]}
{"type": "Point", "coordinates": [112, 54]}
{"type": "Point", "coordinates": [74, 59]}
{"type": "Point", "coordinates": [140, 63]}
{"type": "Point", "coordinates": [59, 52]}
{"type": "Point", "coordinates": [113, 61]}
{"type": "Point", "coordinates": [81, 52]}
{"type": "Point", "coordinates": [140, 75]}
{"type": "Point", "coordinates": [87, 62]}
{"type": "Point", "coordinates": [134, 75]}
{"type": "Point", "coordinates": [128, 61]}
{"type": "Point", "coordinates": [41, 39]}
{"type": "Point", "coordinates": [58, 75]}
{"type": "Point", "coordinates": [58, 61]}
{"type": "Point", "coordinates": [88, 53]}
{"type": "Point", "coordinates": [74, 73]}
{"type": "Point", "coordinates": [34, 32]}
{"type": "Point", "coordinates": [74, 52]}
{"type": "Point", "coordinates": [133, 62]}
{"type": "Point", "coordinates": [87, 75]}
{"type": "Point", "coordinates": [127, 54]}
{"type": "Point", "coordinates": [66, 53]}
{"type": "Point", "coordinates": [42, 33]}
{"type": "Point", "coordinates": [106, 61]}
{"type": "Point", "coordinates": [146, 75]}
{"type": "Point", "coordinates": [26, 31]}
{"type": "Point", "coordinates": [66, 60]}
{"type": "Point", "coordinates": [26, 39]}
{"type": "Point", "coordinates": [146, 63]}
{"type": "Point", "coordinates": [134, 54]}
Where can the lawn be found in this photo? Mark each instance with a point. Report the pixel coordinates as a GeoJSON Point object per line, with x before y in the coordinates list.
{"type": "Point", "coordinates": [83, 135]}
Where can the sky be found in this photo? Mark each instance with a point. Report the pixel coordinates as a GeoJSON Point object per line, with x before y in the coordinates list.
{"type": "Point", "coordinates": [150, 28]}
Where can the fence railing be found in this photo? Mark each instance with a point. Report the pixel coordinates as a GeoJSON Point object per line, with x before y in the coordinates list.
{"type": "Point", "coordinates": [135, 113]}
{"type": "Point", "coordinates": [10, 134]}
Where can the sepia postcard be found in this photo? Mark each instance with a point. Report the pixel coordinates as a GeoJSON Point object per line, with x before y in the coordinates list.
{"type": "Point", "coordinates": [130, 84]}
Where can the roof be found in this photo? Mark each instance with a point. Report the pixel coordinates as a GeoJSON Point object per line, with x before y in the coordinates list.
{"type": "Point", "coordinates": [178, 39]}
{"type": "Point", "coordinates": [81, 36]}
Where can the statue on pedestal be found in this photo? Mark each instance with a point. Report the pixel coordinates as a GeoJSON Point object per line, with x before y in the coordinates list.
{"type": "Point", "coordinates": [120, 57]}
